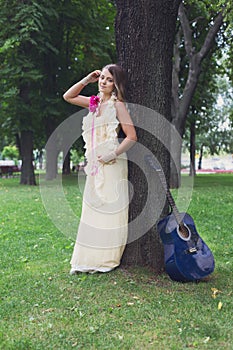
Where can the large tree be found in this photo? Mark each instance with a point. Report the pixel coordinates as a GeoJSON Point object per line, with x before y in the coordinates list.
{"type": "Point", "coordinates": [23, 42]}
{"type": "Point", "coordinates": [144, 39]}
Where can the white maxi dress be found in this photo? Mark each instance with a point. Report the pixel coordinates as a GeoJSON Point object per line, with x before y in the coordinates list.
{"type": "Point", "coordinates": [103, 227]}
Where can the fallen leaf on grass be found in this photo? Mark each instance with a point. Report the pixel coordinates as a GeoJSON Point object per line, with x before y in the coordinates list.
{"type": "Point", "coordinates": [206, 340]}
{"type": "Point", "coordinates": [81, 314]}
{"type": "Point", "coordinates": [215, 292]}
{"type": "Point", "coordinates": [219, 305]}
{"type": "Point", "coordinates": [48, 310]}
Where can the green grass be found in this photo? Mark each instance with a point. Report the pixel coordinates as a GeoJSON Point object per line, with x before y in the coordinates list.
{"type": "Point", "coordinates": [43, 307]}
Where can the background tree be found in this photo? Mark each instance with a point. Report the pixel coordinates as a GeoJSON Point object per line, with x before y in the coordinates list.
{"type": "Point", "coordinates": [21, 53]}
{"type": "Point", "coordinates": [44, 48]}
{"type": "Point", "coordinates": [84, 39]}
{"type": "Point", "coordinates": [210, 120]}
{"type": "Point", "coordinates": [200, 28]}
{"type": "Point", "coordinates": [203, 101]}
{"type": "Point", "coordinates": [219, 136]}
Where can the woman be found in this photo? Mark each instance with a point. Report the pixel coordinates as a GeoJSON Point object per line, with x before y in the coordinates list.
{"type": "Point", "coordinates": [103, 227]}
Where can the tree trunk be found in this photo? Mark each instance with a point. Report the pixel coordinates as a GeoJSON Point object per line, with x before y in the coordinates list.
{"type": "Point", "coordinates": [26, 134]}
{"type": "Point", "coordinates": [26, 148]}
{"type": "Point", "coordinates": [200, 158]}
{"type": "Point", "coordinates": [66, 164]}
{"type": "Point", "coordinates": [52, 151]}
{"type": "Point", "coordinates": [51, 163]}
{"type": "Point", "coordinates": [175, 162]}
{"type": "Point", "coordinates": [144, 39]}
{"type": "Point", "coordinates": [192, 170]}
{"type": "Point", "coordinates": [41, 156]}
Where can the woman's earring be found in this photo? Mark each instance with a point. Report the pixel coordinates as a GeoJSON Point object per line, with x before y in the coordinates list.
{"type": "Point", "coordinates": [113, 96]}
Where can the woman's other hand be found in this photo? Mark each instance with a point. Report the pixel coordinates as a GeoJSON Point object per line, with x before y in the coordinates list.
{"type": "Point", "coordinates": [109, 157]}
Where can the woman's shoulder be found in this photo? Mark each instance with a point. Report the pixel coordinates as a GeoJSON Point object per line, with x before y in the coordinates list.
{"type": "Point", "coordinates": [119, 103]}
{"type": "Point", "coordinates": [120, 106]}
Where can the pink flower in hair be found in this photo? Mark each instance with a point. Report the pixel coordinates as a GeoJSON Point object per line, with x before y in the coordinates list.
{"type": "Point", "coordinates": [94, 103]}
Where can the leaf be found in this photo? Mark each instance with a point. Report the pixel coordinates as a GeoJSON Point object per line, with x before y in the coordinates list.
{"type": "Point", "coordinates": [48, 310]}
{"type": "Point", "coordinates": [220, 305]}
{"type": "Point", "coordinates": [215, 292]}
{"type": "Point", "coordinates": [81, 315]}
{"type": "Point", "coordinates": [206, 340]}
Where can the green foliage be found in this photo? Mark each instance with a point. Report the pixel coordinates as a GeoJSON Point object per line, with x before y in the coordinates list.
{"type": "Point", "coordinates": [212, 111]}
{"type": "Point", "coordinates": [201, 15]}
{"type": "Point", "coordinates": [77, 156]}
{"type": "Point", "coordinates": [43, 307]}
{"type": "Point", "coordinates": [22, 41]}
{"type": "Point", "coordinates": [44, 47]}
{"type": "Point", "coordinates": [10, 152]}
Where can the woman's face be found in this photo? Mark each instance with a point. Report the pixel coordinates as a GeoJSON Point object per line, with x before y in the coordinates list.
{"type": "Point", "coordinates": [106, 82]}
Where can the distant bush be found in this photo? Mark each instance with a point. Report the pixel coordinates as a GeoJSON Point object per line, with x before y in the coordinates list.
{"type": "Point", "coordinates": [10, 152]}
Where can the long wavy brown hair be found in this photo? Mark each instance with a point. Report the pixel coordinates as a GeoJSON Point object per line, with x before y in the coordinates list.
{"type": "Point", "coordinates": [119, 77]}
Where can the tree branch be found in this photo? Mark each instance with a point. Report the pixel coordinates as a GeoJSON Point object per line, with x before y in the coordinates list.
{"type": "Point", "coordinates": [195, 61]}
{"type": "Point", "coordinates": [208, 43]}
{"type": "Point", "coordinates": [186, 29]}
{"type": "Point", "coordinates": [176, 3]}
{"type": "Point", "coordinates": [197, 19]}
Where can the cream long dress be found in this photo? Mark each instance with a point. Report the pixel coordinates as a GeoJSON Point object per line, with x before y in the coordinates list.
{"type": "Point", "coordinates": [103, 228]}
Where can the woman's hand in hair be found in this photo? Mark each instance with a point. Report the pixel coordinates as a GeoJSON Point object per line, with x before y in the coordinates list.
{"type": "Point", "coordinates": [92, 77]}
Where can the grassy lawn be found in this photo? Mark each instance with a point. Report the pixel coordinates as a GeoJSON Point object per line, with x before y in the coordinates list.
{"type": "Point", "coordinates": [43, 307]}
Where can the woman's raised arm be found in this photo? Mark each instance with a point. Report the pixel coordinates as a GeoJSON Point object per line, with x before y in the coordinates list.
{"type": "Point", "coordinates": [73, 94]}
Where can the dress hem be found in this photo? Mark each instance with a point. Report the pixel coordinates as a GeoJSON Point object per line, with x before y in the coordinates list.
{"type": "Point", "coordinates": [90, 269]}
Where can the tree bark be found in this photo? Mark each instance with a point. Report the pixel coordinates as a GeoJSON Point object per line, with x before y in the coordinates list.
{"type": "Point", "coordinates": [200, 158]}
{"type": "Point", "coordinates": [66, 164]}
{"type": "Point", "coordinates": [26, 148]}
{"type": "Point", "coordinates": [51, 163]}
{"type": "Point", "coordinates": [192, 170]}
{"type": "Point", "coordinates": [51, 150]}
{"type": "Point", "coordinates": [26, 134]}
{"type": "Point", "coordinates": [144, 39]}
